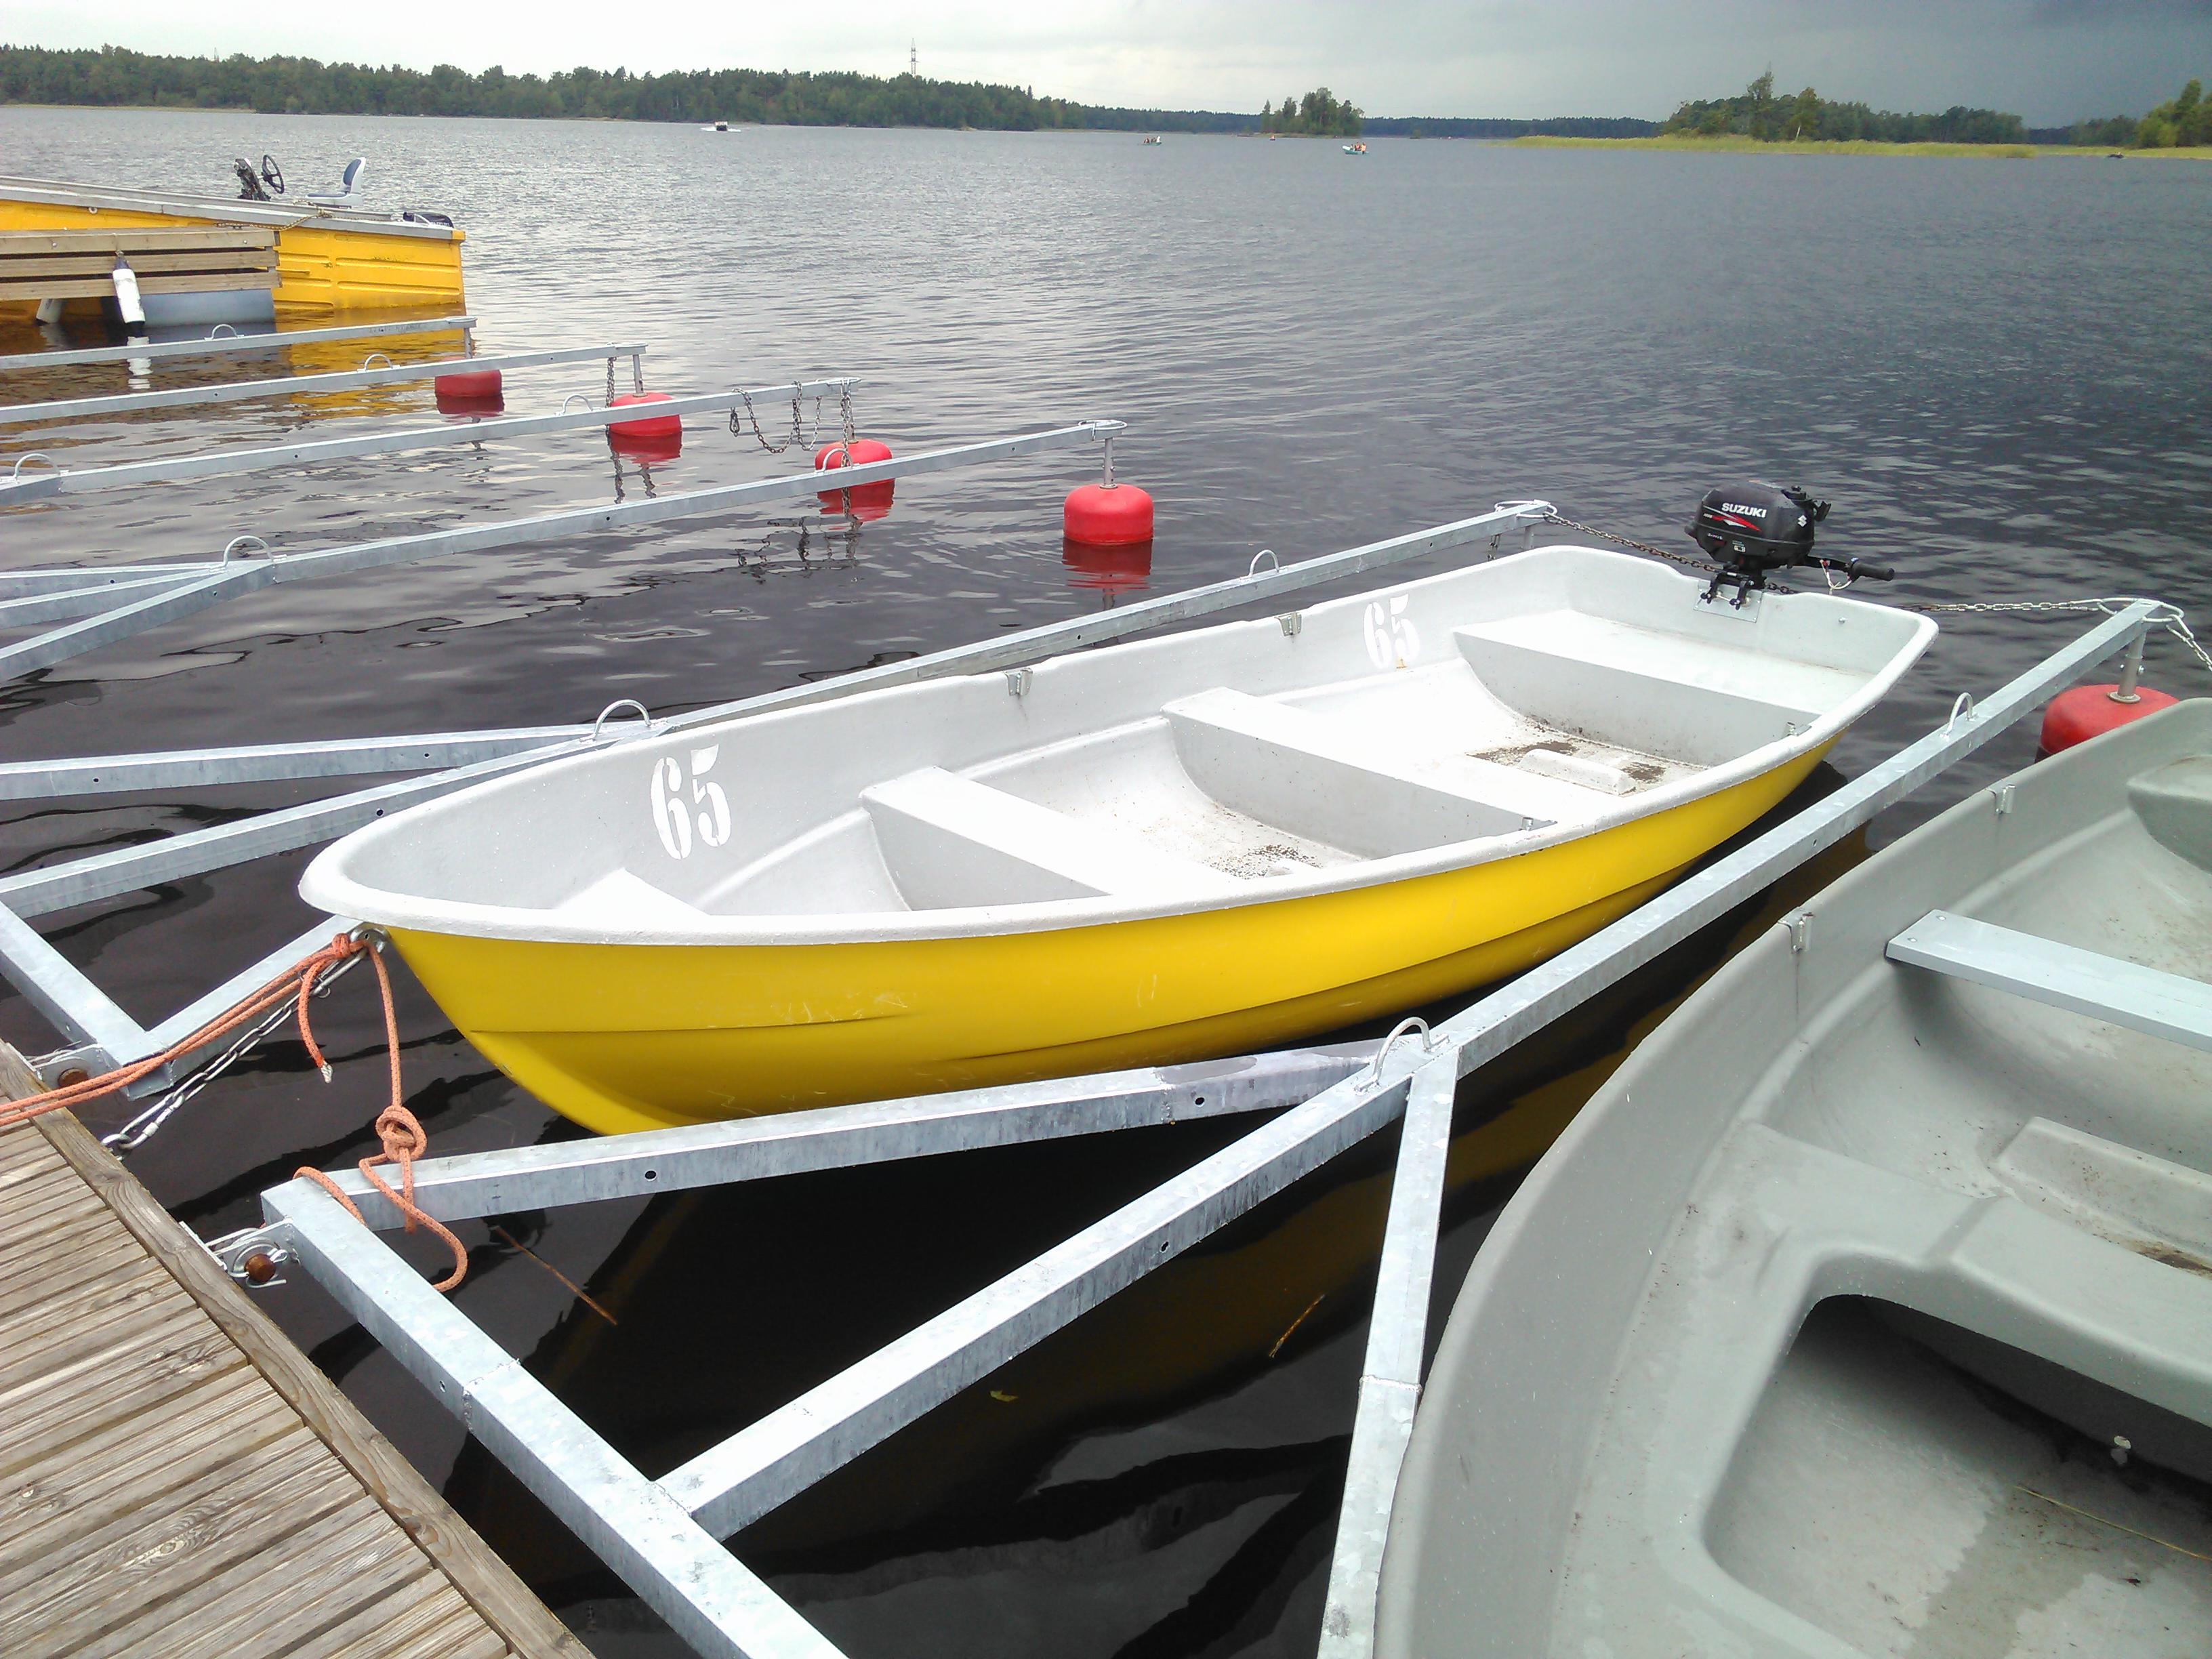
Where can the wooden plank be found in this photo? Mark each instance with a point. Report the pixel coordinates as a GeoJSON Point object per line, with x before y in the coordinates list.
{"type": "Point", "coordinates": [69, 1482]}
{"type": "Point", "coordinates": [380, 1568]}
{"type": "Point", "coordinates": [14, 243]}
{"type": "Point", "coordinates": [139, 1563]}
{"type": "Point", "coordinates": [151, 1385]}
{"type": "Point", "coordinates": [502, 1599]}
{"type": "Point", "coordinates": [70, 288]}
{"type": "Point", "coordinates": [98, 1272]}
{"type": "Point", "coordinates": [136, 1290]}
{"type": "Point", "coordinates": [442, 1627]}
{"type": "Point", "coordinates": [150, 1479]}
{"type": "Point", "coordinates": [220, 1600]}
{"type": "Point", "coordinates": [100, 267]}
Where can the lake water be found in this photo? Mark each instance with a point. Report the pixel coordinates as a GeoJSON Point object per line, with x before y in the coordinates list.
{"type": "Point", "coordinates": [1997, 370]}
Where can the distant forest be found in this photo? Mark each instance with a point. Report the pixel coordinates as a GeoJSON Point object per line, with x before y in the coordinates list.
{"type": "Point", "coordinates": [274, 86]}
{"type": "Point", "coordinates": [1761, 113]}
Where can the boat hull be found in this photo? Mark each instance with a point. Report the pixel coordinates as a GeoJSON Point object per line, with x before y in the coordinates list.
{"type": "Point", "coordinates": [322, 271]}
{"type": "Point", "coordinates": [624, 1037]}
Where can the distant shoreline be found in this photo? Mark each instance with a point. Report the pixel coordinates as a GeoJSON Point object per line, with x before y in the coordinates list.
{"type": "Point", "coordinates": [1736, 144]}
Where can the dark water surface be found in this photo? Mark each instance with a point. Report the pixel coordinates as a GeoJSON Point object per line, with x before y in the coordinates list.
{"type": "Point", "coordinates": [1996, 369]}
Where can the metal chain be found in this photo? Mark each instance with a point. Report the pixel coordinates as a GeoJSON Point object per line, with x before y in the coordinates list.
{"type": "Point", "coordinates": [142, 1128]}
{"type": "Point", "coordinates": [610, 380]}
{"type": "Point", "coordinates": [2170, 617]}
{"type": "Point", "coordinates": [802, 432]}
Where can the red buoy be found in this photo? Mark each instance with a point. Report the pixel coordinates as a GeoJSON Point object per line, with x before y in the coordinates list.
{"type": "Point", "coordinates": [867, 501]}
{"type": "Point", "coordinates": [863, 451]}
{"type": "Point", "coordinates": [2090, 711]}
{"type": "Point", "coordinates": [472, 392]}
{"type": "Point", "coordinates": [651, 426]}
{"type": "Point", "coordinates": [1107, 515]}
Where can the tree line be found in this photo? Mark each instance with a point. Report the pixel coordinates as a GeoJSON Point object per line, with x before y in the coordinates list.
{"type": "Point", "coordinates": [1760, 112]}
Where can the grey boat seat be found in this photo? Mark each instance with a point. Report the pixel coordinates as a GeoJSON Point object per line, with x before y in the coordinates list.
{"type": "Point", "coordinates": [348, 194]}
{"type": "Point", "coordinates": [1786, 1226]}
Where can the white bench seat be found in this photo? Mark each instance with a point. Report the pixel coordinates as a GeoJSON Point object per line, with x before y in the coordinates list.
{"type": "Point", "coordinates": [951, 842]}
{"type": "Point", "coordinates": [1347, 786]}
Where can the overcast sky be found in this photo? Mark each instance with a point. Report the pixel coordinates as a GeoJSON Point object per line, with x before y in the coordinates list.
{"type": "Point", "coordinates": [2049, 60]}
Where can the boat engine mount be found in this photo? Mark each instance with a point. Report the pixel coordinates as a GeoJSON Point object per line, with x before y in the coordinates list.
{"type": "Point", "coordinates": [1755, 528]}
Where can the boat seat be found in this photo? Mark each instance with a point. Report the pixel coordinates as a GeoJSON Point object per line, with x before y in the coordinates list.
{"type": "Point", "coordinates": [2123, 993]}
{"type": "Point", "coordinates": [621, 900]}
{"type": "Point", "coordinates": [1336, 782]}
{"type": "Point", "coordinates": [1779, 1225]}
{"type": "Point", "coordinates": [951, 842]}
{"type": "Point", "coordinates": [348, 194]}
{"type": "Point", "coordinates": [1664, 694]}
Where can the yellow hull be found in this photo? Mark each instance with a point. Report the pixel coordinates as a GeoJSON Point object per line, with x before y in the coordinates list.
{"type": "Point", "coordinates": [624, 1037]}
{"type": "Point", "coordinates": [322, 272]}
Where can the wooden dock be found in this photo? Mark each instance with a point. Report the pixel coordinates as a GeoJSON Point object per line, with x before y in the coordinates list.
{"type": "Point", "coordinates": [176, 1478]}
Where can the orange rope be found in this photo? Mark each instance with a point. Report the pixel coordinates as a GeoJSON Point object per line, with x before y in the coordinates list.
{"type": "Point", "coordinates": [402, 1136]}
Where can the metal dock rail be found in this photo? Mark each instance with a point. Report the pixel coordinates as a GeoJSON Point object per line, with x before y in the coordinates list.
{"type": "Point", "coordinates": [176, 1478]}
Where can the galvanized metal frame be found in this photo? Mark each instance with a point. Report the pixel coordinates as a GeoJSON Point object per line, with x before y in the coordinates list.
{"type": "Point", "coordinates": [659, 1535]}
{"type": "Point", "coordinates": [45, 485]}
{"type": "Point", "coordinates": [219, 344]}
{"type": "Point", "coordinates": [201, 585]}
{"type": "Point", "coordinates": [296, 385]}
{"type": "Point", "coordinates": [100, 1034]}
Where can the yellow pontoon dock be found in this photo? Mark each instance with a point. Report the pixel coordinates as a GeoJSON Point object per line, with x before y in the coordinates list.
{"type": "Point", "coordinates": [332, 260]}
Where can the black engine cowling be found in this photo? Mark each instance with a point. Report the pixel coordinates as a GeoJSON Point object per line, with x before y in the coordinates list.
{"type": "Point", "coordinates": [1753, 528]}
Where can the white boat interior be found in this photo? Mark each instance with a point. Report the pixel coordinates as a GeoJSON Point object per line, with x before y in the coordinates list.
{"type": "Point", "coordinates": [1875, 1293]}
{"type": "Point", "coordinates": [1499, 708]}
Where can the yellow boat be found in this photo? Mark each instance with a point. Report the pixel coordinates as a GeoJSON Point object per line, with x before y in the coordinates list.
{"type": "Point", "coordinates": [332, 259]}
{"type": "Point", "coordinates": [1192, 845]}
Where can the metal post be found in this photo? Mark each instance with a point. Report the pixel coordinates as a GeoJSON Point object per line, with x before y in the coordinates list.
{"type": "Point", "coordinates": [2130, 674]}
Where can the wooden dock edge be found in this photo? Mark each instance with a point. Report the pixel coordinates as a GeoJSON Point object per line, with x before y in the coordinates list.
{"type": "Point", "coordinates": [476, 1571]}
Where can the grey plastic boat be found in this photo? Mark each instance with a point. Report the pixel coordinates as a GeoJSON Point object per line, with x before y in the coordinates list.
{"type": "Point", "coordinates": [1868, 1309]}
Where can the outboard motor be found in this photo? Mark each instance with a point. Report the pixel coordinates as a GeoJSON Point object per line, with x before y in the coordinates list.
{"type": "Point", "coordinates": [1754, 528]}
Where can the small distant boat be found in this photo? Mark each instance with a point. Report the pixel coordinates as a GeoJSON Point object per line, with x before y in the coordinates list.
{"type": "Point", "coordinates": [719, 127]}
{"type": "Point", "coordinates": [1151, 139]}
{"type": "Point", "coordinates": [1158, 851]}
{"type": "Point", "coordinates": [1355, 149]}
{"type": "Point", "coordinates": [1868, 1309]}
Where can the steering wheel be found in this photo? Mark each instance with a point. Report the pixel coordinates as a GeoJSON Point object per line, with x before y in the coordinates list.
{"type": "Point", "coordinates": [272, 174]}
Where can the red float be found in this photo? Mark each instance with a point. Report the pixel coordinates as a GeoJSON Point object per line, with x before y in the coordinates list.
{"type": "Point", "coordinates": [2090, 711]}
{"type": "Point", "coordinates": [1107, 515]}
{"type": "Point", "coordinates": [866, 502]}
{"type": "Point", "coordinates": [472, 392]}
{"type": "Point", "coordinates": [662, 427]}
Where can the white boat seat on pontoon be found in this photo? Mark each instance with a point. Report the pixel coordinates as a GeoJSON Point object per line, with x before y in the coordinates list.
{"type": "Point", "coordinates": [348, 194]}
{"type": "Point", "coordinates": [949, 842]}
{"type": "Point", "coordinates": [1339, 782]}
{"type": "Point", "coordinates": [2060, 976]}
